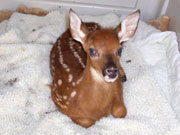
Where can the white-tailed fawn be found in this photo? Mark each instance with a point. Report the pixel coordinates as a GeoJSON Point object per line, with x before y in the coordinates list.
{"type": "Point", "coordinates": [86, 70]}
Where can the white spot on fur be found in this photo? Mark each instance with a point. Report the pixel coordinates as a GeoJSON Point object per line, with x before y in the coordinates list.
{"type": "Point", "coordinates": [79, 80]}
{"type": "Point", "coordinates": [67, 70]}
{"type": "Point", "coordinates": [57, 94]}
{"type": "Point", "coordinates": [52, 61]}
{"type": "Point", "coordinates": [73, 94]}
{"type": "Point", "coordinates": [73, 84]}
{"type": "Point", "coordinates": [64, 65]}
{"type": "Point", "coordinates": [79, 59]}
{"type": "Point", "coordinates": [64, 97]}
{"type": "Point", "coordinates": [71, 43]}
{"type": "Point", "coordinates": [59, 82]}
{"type": "Point", "coordinates": [61, 60]}
{"type": "Point", "coordinates": [59, 49]}
{"type": "Point", "coordinates": [59, 99]}
{"type": "Point", "coordinates": [59, 103]}
{"type": "Point", "coordinates": [62, 106]}
{"type": "Point", "coordinates": [67, 103]}
{"type": "Point", "coordinates": [52, 67]}
{"type": "Point", "coordinates": [70, 78]}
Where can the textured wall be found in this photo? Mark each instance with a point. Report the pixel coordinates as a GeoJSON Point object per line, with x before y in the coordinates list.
{"type": "Point", "coordinates": [174, 12]}
{"type": "Point", "coordinates": [149, 8]}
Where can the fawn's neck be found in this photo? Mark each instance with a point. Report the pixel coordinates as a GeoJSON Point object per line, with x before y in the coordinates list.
{"type": "Point", "coordinates": [92, 75]}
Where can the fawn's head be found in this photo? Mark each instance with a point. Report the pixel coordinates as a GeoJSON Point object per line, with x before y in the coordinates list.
{"type": "Point", "coordinates": [104, 46]}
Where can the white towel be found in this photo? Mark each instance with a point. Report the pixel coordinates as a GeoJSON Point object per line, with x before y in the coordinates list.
{"type": "Point", "coordinates": [150, 60]}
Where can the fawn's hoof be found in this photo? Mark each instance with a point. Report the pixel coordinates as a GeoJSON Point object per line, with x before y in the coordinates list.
{"type": "Point", "coordinates": [119, 112]}
{"type": "Point", "coordinates": [85, 122]}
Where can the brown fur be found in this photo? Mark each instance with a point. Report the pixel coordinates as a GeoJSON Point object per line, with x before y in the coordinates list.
{"type": "Point", "coordinates": [87, 78]}
{"type": "Point", "coordinates": [95, 99]}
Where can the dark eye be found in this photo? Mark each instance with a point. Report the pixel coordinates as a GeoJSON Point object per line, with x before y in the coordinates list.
{"type": "Point", "coordinates": [119, 51]}
{"type": "Point", "coordinates": [92, 52]}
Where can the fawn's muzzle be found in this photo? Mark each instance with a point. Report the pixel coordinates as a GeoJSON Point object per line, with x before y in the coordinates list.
{"type": "Point", "coordinates": [110, 74]}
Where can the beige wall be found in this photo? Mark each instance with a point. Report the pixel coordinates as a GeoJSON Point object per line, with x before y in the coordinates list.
{"type": "Point", "coordinates": [150, 9]}
{"type": "Point", "coordinates": [173, 11]}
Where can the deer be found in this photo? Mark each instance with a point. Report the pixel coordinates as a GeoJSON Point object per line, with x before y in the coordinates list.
{"type": "Point", "coordinates": [87, 78]}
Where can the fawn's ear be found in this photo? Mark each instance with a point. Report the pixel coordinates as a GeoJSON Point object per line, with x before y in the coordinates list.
{"type": "Point", "coordinates": [128, 26]}
{"type": "Point", "coordinates": [78, 29]}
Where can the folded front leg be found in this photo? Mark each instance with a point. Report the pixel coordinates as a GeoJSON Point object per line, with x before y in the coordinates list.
{"type": "Point", "coordinates": [118, 108]}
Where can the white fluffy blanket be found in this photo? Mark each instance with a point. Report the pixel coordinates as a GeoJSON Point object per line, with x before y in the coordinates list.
{"type": "Point", "coordinates": [151, 94]}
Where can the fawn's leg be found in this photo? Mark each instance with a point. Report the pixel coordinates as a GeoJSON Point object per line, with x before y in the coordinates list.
{"type": "Point", "coordinates": [85, 122]}
{"type": "Point", "coordinates": [118, 108]}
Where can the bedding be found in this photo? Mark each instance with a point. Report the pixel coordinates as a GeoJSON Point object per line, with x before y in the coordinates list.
{"type": "Point", "coordinates": [152, 92]}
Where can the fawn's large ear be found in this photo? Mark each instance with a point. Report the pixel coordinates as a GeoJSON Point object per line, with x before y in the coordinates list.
{"type": "Point", "coordinates": [78, 30]}
{"type": "Point", "coordinates": [128, 27]}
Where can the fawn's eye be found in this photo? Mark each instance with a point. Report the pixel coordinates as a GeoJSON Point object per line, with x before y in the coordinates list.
{"type": "Point", "coordinates": [92, 52]}
{"type": "Point", "coordinates": [119, 51]}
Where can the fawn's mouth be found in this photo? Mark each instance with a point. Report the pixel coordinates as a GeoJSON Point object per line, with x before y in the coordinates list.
{"type": "Point", "coordinates": [108, 79]}
{"type": "Point", "coordinates": [110, 74]}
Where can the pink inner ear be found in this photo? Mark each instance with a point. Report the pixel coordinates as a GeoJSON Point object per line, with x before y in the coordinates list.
{"type": "Point", "coordinates": [75, 27]}
{"type": "Point", "coordinates": [128, 27]}
{"type": "Point", "coordinates": [75, 22]}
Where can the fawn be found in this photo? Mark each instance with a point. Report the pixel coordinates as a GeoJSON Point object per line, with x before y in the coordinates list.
{"type": "Point", "coordinates": [87, 75]}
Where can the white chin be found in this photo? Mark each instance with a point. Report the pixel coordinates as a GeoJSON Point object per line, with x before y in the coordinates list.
{"type": "Point", "coordinates": [107, 79]}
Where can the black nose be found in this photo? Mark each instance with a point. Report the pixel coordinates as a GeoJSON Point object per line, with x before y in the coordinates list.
{"type": "Point", "coordinates": [112, 72]}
